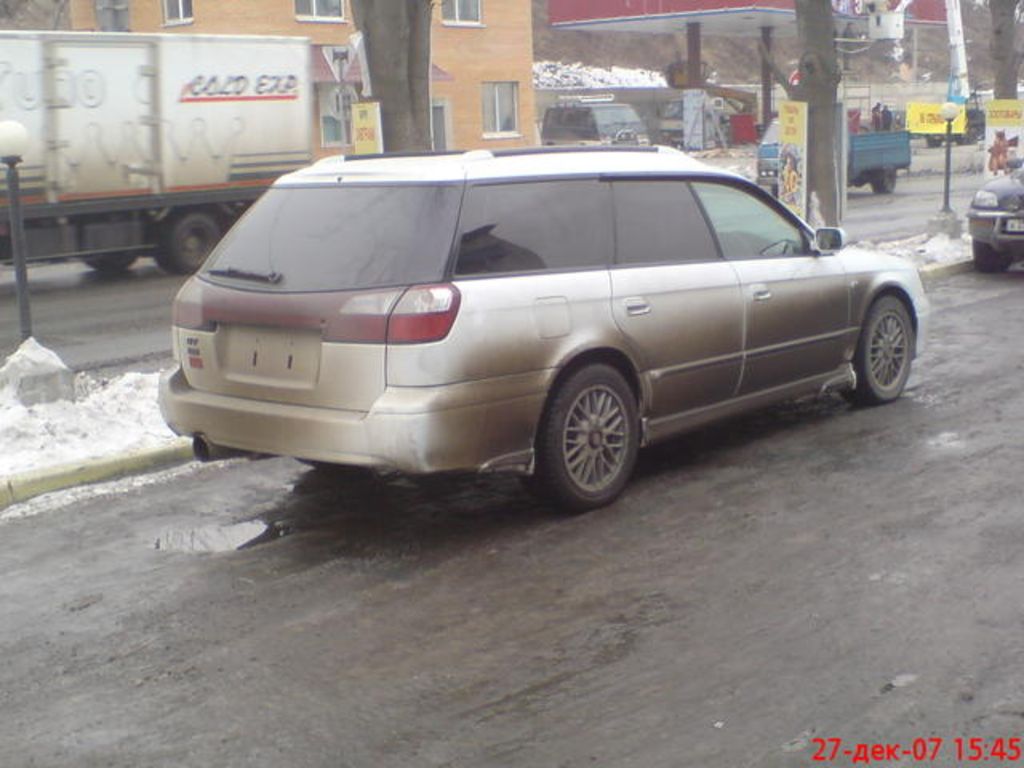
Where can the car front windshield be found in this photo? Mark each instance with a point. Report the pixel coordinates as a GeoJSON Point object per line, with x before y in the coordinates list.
{"type": "Point", "coordinates": [340, 238]}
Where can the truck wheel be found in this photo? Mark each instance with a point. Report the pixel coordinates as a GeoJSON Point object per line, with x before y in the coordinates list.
{"type": "Point", "coordinates": [988, 259]}
{"type": "Point", "coordinates": [933, 141]}
{"type": "Point", "coordinates": [587, 440]}
{"type": "Point", "coordinates": [884, 351]}
{"type": "Point", "coordinates": [187, 242]}
{"type": "Point", "coordinates": [883, 182]}
{"type": "Point", "coordinates": [111, 264]}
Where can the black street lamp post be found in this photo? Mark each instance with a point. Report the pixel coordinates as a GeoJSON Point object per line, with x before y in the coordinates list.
{"type": "Point", "coordinates": [949, 112]}
{"type": "Point", "coordinates": [13, 141]}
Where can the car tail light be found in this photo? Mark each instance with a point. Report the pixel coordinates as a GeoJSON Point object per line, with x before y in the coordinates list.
{"type": "Point", "coordinates": [362, 318]}
{"type": "Point", "coordinates": [187, 310]}
{"type": "Point", "coordinates": [424, 313]}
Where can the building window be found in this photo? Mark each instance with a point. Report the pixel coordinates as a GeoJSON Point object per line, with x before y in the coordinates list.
{"type": "Point", "coordinates": [176, 11]}
{"type": "Point", "coordinates": [461, 11]}
{"type": "Point", "coordinates": [335, 115]}
{"type": "Point", "coordinates": [319, 9]}
{"type": "Point", "coordinates": [112, 15]}
{"type": "Point", "coordinates": [501, 107]}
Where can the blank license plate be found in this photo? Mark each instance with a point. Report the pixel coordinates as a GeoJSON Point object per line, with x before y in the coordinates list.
{"type": "Point", "coordinates": [1015, 225]}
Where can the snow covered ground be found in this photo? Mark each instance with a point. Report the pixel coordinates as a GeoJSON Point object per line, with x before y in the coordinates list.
{"type": "Point", "coordinates": [113, 415]}
{"type": "Point", "coordinates": [107, 416]}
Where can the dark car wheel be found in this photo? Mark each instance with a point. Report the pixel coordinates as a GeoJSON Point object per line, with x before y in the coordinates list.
{"type": "Point", "coordinates": [884, 352]}
{"type": "Point", "coordinates": [883, 182]}
{"type": "Point", "coordinates": [988, 259]}
{"type": "Point", "coordinates": [187, 242]}
{"type": "Point", "coordinates": [111, 264]}
{"type": "Point", "coordinates": [588, 439]}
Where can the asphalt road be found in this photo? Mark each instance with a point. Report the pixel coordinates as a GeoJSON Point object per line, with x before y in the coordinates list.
{"type": "Point", "coordinates": [811, 572]}
{"type": "Point", "coordinates": [907, 210]}
{"type": "Point", "coordinates": [94, 321]}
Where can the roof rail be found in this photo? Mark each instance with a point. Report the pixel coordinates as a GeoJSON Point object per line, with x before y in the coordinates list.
{"type": "Point", "coordinates": [570, 149]}
{"type": "Point", "coordinates": [397, 155]}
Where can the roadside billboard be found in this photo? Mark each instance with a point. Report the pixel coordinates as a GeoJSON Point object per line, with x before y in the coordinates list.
{"type": "Point", "coordinates": [1004, 124]}
{"type": "Point", "coordinates": [366, 128]}
{"type": "Point", "coordinates": [793, 156]}
{"type": "Point", "coordinates": [926, 118]}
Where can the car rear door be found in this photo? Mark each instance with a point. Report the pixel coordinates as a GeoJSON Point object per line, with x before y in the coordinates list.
{"type": "Point", "coordinates": [677, 302]}
{"type": "Point", "coordinates": [797, 302]}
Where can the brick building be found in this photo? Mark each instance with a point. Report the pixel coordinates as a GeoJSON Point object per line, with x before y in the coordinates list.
{"type": "Point", "coordinates": [482, 50]}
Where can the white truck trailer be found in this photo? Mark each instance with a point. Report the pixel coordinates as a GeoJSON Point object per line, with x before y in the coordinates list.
{"type": "Point", "coordinates": [148, 144]}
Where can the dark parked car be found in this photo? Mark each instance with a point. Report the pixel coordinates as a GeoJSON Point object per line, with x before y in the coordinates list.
{"type": "Point", "coordinates": [996, 222]}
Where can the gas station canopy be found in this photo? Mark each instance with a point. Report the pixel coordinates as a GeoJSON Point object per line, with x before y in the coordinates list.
{"type": "Point", "coordinates": [730, 18]}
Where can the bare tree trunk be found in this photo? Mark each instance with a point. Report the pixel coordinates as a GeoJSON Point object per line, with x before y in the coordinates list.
{"type": "Point", "coordinates": [1006, 56]}
{"type": "Point", "coordinates": [58, 14]}
{"type": "Point", "coordinates": [396, 35]}
{"type": "Point", "coordinates": [819, 76]}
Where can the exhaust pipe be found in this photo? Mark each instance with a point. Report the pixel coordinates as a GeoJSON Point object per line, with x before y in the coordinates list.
{"type": "Point", "coordinates": [205, 451]}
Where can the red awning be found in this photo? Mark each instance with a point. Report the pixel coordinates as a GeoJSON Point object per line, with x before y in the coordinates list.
{"type": "Point", "coordinates": [354, 73]}
{"type": "Point", "coordinates": [323, 72]}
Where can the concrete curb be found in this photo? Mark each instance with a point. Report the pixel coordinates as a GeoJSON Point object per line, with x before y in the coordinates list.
{"type": "Point", "coordinates": [26, 485]}
{"type": "Point", "coordinates": [932, 272]}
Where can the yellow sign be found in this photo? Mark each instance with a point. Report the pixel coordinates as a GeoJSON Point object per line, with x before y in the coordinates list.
{"type": "Point", "coordinates": [793, 156]}
{"type": "Point", "coordinates": [366, 127]}
{"type": "Point", "coordinates": [925, 118]}
{"type": "Point", "coordinates": [1004, 113]}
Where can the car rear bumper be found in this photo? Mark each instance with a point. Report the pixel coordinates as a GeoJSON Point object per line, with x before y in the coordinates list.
{"type": "Point", "coordinates": [474, 426]}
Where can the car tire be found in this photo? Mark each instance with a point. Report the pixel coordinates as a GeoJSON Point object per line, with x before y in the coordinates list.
{"type": "Point", "coordinates": [884, 353]}
{"type": "Point", "coordinates": [187, 241]}
{"type": "Point", "coordinates": [111, 264]}
{"type": "Point", "coordinates": [587, 441]}
{"type": "Point", "coordinates": [883, 182]}
{"type": "Point", "coordinates": [988, 259]}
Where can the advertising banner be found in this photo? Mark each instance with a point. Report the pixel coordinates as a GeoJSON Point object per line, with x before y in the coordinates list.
{"type": "Point", "coordinates": [793, 156]}
{"type": "Point", "coordinates": [693, 119]}
{"type": "Point", "coordinates": [366, 128]}
{"type": "Point", "coordinates": [1004, 124]}
{"type": "Point", "coordinates": [925, 118]}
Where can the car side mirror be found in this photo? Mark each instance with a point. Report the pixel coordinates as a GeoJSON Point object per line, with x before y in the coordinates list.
{"type": "Point", "coordinates": [829, 239]}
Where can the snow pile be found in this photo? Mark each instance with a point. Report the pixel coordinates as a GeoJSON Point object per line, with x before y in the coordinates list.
{"type": "Point", "coordinates": [107, 418]}
{"type": "Point", "coordinates": [35, 374]}
{"type": "Point", "coordinates": [30, 359]}
{"type": "Point", "coordinates": [928, 249]}
{"type": "Point", "coordinates": [553, 75]}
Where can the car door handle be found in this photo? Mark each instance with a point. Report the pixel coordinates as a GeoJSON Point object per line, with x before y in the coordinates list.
{"type": "Point", "coordinates": [762, 294]}
{"type": "Point", "coordinates": [637, 306]}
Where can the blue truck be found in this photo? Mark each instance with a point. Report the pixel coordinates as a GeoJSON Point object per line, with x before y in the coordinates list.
{"type": "Point", "coordinates": [873, 159]}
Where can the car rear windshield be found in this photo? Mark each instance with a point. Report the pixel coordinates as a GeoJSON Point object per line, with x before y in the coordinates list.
{"type": "Point", "coordinates": [615, 118]}
{"type": "Point", "coordinates": [569, 124]}
{"type": "Point", "coordinates": [340, 238]}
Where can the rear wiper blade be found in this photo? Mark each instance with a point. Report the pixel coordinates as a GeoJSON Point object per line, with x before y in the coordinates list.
{"type": "Point", "coordinates": [242, 274]}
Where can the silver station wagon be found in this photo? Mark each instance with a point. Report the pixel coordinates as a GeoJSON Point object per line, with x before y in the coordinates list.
{"type": "Point", "coordinates": [542, 312]}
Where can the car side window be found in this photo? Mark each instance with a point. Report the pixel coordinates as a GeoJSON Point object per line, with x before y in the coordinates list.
{"type": "Point", "coordinates": [746, 227]}
{"type": "Point", "coordinates": [535, 226]}
{"type": "Point", "coordinates": [659, 222]}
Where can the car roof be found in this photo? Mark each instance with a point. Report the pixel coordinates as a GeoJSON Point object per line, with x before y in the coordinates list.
{"type": "Point", "coordinates": [482, 165]}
